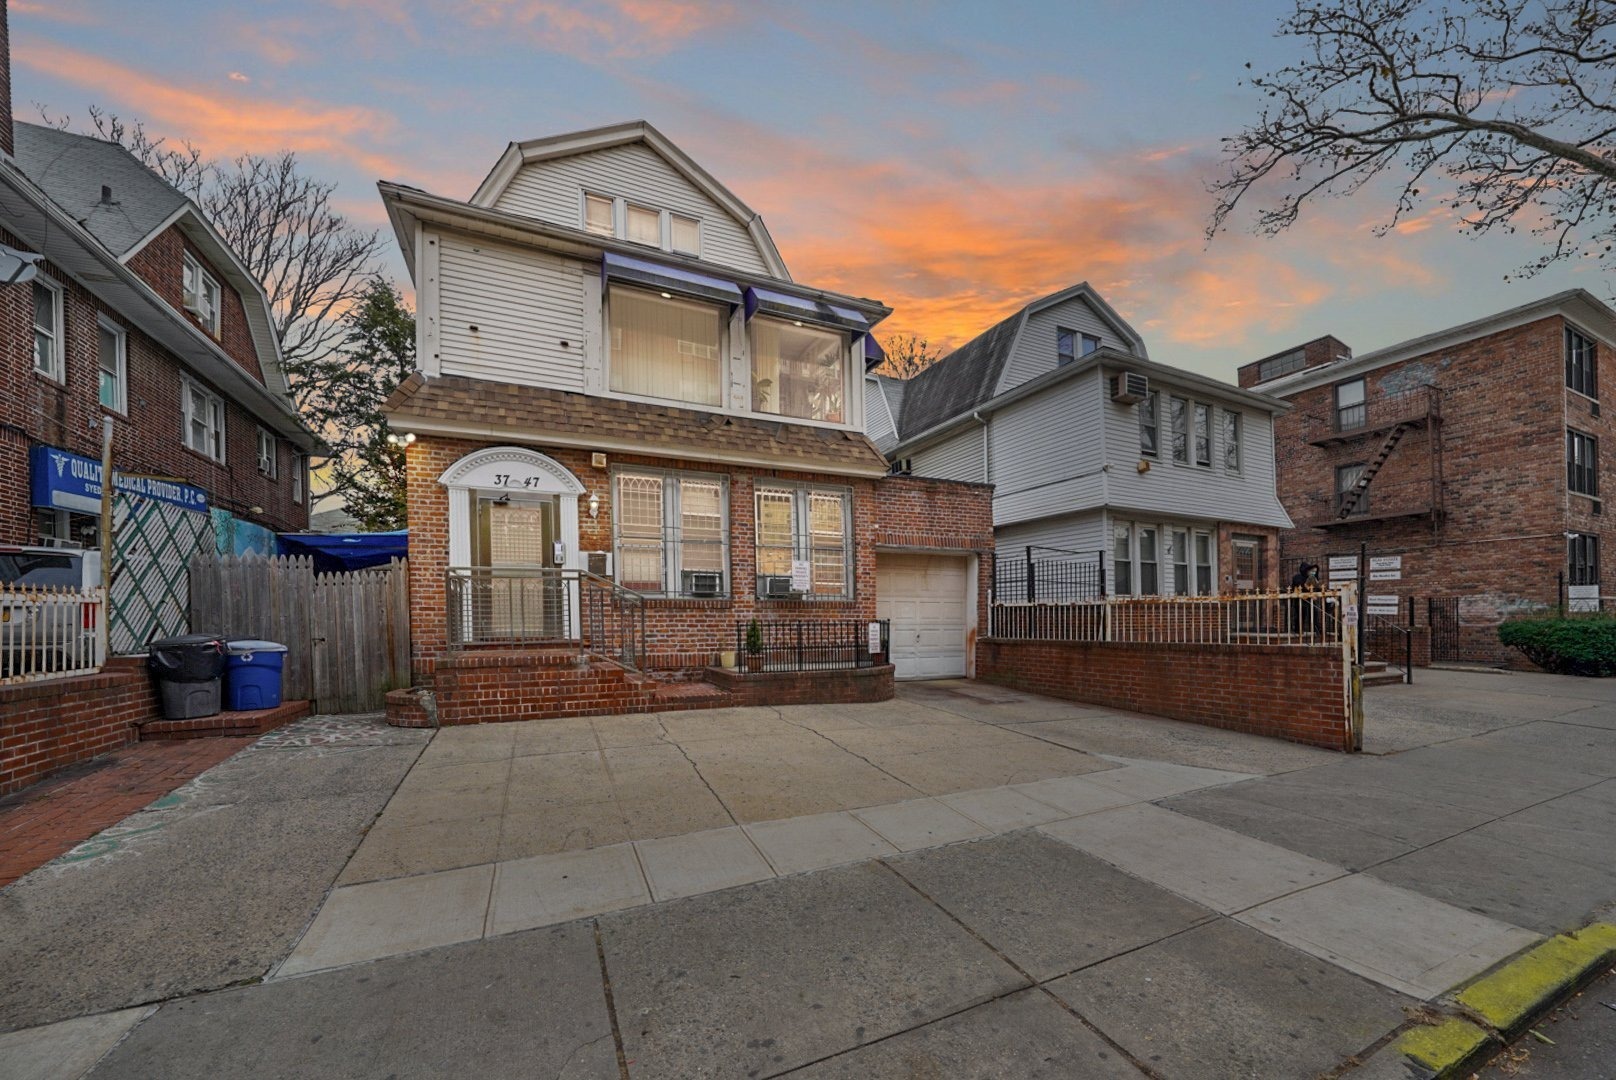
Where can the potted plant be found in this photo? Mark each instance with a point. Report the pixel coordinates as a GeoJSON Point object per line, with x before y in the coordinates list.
{"type": "Point", "coordinates": [754, 646]}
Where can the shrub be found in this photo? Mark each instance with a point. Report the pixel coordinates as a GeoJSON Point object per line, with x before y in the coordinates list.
{"type": "Point", "coordinates": [1566, 646]}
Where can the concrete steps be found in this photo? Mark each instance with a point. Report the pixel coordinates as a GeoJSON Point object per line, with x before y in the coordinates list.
{"type": "Point", "coordinates": [225, 724]}
{"type": "Point", "coordinates": [1380, 673]}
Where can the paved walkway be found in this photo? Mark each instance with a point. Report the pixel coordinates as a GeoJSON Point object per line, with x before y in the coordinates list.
{"type": "Point", "coordinates": [1126, 897]}
{"type": "Point", "coordinates": [51, 818]}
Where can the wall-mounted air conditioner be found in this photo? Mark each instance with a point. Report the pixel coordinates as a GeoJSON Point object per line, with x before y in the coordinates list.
{"type": "Point", "coordinates": [703, 583]}
{"type": "Point", "coordinates": [777, 585]}
{"type": "Point", "coordinates": [1129, 387]}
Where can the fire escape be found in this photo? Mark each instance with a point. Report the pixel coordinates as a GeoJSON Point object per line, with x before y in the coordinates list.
{"type": "Point", "coordinates": [1393, 419]}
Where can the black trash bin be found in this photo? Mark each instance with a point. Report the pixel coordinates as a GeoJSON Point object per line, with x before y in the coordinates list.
{"type": "Point", "coordinates": [187, 669]}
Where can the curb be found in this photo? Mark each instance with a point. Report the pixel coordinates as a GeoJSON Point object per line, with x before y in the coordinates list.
{"type": "Point", "coordinates": [1497, 1006]}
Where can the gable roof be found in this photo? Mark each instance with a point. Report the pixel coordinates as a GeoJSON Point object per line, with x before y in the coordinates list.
{"type": "Point", "coordinates": [969, 376]}
{"type": "Point", "coordinates": [72, 169]}
{"type": "Point", "coordinates": [518, 154]}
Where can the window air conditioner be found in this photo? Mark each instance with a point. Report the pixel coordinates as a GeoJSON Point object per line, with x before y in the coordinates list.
{"type": "Point", "coordinates": [703, 583]}
{"type": "Point", "coordinates": [903, 466]}
{"type": "Point", "coordinates": [1129, 387]}
{"type": "Point", "coordinates": [777, 585]}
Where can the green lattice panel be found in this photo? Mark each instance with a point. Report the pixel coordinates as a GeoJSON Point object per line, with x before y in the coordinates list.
{"type": "Point", "coordinates": [153, 543]}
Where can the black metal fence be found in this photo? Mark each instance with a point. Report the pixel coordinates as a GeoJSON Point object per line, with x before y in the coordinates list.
{"type": "Point", "coordinates": [811, 644]}
{"type": "Point", "coordinates": [1048, 575]}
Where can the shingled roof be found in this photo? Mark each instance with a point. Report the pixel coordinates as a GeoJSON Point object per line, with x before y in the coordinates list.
{"type": "Point", "coordinates": [73, 170]}
{"type": "Point", "coordinates": [476, 407]}
{"type": "Point", "coordinates": [962, 380]}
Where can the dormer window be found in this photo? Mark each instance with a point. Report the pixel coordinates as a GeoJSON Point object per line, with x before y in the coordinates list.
{"type": "Point", "coordinates": [598, 216]}
{"type": "Point", "coordinates": [644, 226]}
{"type": "Point", "coordinates": [200, 294]}
{"type": "Point", "coordinates": [684, 234]}
{"type": "Point", "coordinates": [665, 230]}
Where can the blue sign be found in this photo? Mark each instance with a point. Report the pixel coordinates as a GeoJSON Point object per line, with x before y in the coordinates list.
{"type": "Point", "coordinates": [66, 481]}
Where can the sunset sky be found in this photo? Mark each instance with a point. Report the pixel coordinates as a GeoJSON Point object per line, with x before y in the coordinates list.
{"type": "Point", "coordinates": [952, 160]}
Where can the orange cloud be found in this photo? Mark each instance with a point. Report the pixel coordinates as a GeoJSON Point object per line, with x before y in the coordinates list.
{"type": "Point", "coordinates": [222, 123]}
{"type": "Point", "coordinates": [63, 11]}
{"type": "Point", "coordinates": [617, 27]}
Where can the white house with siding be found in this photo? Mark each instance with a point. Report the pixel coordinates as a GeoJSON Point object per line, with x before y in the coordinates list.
{"type": "Point", "coordinates": [1093, 447]}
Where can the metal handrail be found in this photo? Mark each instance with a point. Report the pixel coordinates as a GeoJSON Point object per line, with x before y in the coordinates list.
{"type": "Point", "coordinates": [1379, 412]}
{"type": "Point", "coordinates": [533, 606]}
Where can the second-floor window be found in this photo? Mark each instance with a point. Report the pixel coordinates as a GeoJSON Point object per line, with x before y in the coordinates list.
{"type": "Point", "coordinates": [48, 330]}
{"type": "Point", "coordinates": [1346, 480]}
{"type": "Point", "coordinates": [1350, 410]}
{"type": "Point", "coordinates": [1203, 435]}
{"type": "Point", "coordinates": [112, 353]}
{"type": "Point", "coordinates": [1582, 462]}
{"type": "Point", "coordinates": [1581, 363]}
{"type": "Point", "coordinates": [200, 294]}
{"type": "Point", "coordinates": [300, 468]}
{"type": "Point", "coordinates": [1231, 441]}
{"type": "Point", "coordinates": [799, 371]}
{"type": "Point", "coordinates": [203, 416]}
{"type": "Point", "coordinates": [1149, 434]}
{"type": "Point", "coordinates": [266, 453]}
{"type": "Point", "coordinates": [804, 529]}
{"type": "Point", "coordinates": [664, 347]}
{"type": "Point", "coordinates": [1178, 424]}
{"type": "Point", "coordinates": [1582, 557]}
{"type": "Point", "coordinates": [672, 533]}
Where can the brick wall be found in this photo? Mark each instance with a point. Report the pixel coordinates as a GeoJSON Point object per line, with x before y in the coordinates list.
{"type": "Point", "coordinates": [1499, 541]}
{"type": "Point", "coordinates": [34, 408]}
{"type": "Point", "coordinates": [161, 264]}
{"type": "Point", "coordinates": [920, 515]}
{"type": "Point", "coordinates": [1297, 694]}
{"type": "Point", "coordinates": [47, 726]}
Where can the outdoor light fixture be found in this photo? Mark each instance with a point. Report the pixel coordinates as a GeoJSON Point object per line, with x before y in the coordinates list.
{"type": "Point", "coordinates": [17, 267]}
{"type": "Point", "coordinates": [594, 505]}
{"type": "Point", "coordinates": [406, 439]}
{"type": "Point", "coordinates": [667, 296]}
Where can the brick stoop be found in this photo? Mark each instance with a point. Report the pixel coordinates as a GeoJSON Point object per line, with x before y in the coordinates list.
{"type": "Point", "coordinates": [225, 724]}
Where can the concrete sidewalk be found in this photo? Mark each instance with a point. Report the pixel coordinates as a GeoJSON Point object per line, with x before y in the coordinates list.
{"type": "Point", "coordinates": [967, 882]}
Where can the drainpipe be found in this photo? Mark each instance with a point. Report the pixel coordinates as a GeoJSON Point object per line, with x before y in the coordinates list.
{"type": "Point", "coordinates": [987, 464]}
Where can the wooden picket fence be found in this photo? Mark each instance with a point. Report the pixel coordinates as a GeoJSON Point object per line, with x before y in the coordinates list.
{"type": "Point", "coordinates": [347, 635]}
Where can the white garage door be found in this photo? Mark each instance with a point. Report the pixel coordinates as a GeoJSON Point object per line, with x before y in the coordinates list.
{"type": "Point", "coordinates": [924, 597]}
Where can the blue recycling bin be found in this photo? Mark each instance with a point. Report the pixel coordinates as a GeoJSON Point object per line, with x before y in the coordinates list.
{"type": "Point", "coordinates": [252, 675]}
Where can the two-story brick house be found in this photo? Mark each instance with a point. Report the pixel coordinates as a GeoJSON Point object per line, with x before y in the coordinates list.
{"type": "Point", "coordinates": [139, 312]}
{"type": "Point", "coordinates": [628, 409]}
{"type": "Point", "coordinates": [1467, 461]}
{"type": "Point", "coordinates": [1097, 454]}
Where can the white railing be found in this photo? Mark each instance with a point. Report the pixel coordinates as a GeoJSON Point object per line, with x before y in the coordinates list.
{"type": "Point", "coordinates": [1298, 618]}
{"type": "Point", "coordinates": [51, 632]}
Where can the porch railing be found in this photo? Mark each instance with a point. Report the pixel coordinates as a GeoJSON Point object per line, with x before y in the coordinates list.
{"type": "Point", "coordinates": [540, 606]}
{"type": "Point", "coordinates": [1296, 618]}
{"type": "Point", "coordinates": [811, 644]}
{"type": "Point", "coordinates": [51, 632]}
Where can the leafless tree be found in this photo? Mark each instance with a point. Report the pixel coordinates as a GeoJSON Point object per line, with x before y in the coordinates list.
{"type": "Point", "coordinates": [1501, 110]}
{"type": "Point", "coordinates": [907, 356]}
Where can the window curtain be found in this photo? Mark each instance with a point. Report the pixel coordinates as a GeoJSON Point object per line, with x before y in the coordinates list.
{"type": "Point", "coordinates": [798, 371]}
{"type": "Point", "coordinates": [665, 348]}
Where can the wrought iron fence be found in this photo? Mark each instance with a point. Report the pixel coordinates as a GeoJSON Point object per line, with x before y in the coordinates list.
{"type": "Point", "coordinates": [538, 606]}
{"type": "Point", "coordinates": [1295, 618]}
{"type": "Point", "coordinates": [811, 644]}
{"type": "Point", "coordinates": [51, 632]}
{"type": "Point", "coordinates": [1051, 575]}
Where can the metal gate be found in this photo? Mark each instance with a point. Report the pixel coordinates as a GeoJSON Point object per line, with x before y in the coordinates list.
{"type": "Point", "coordinates": [1443, 614]}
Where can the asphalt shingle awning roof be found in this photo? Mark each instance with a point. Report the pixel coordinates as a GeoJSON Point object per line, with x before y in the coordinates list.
{"type": "Point", "coordinates": [72, 169]}
{"type": "Point", "coordinates": [535, 413]}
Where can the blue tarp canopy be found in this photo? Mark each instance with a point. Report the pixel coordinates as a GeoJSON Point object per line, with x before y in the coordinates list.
{"type": "Point", "coordinates": [804, 309]}
{"type": "Point", "coordinates": [335, 552]}
{"type": "Point", "coordinates": [670, 279]}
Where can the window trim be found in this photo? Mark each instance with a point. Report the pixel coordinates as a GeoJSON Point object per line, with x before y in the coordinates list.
{"type": "Point", "coordinates": [1337, 408]}
{"type": "Point", "coordinates": [1167, 555]}
{"type": "Point", "coordinates": [58, 369]}
{"type": "Point", "coordinates": [211, 321]}
{"type": "Point", "coordinates": [273, 472]}
{"type": "Point", "coordinates": [620, 208]}
{"type": "Point", "coordinates": [214, 401]}
{"type": "Point", "coordinates": [671, 540]}
{"type": "Point", "coordinates": [121, 375]}
{"type": "Point", "coordinates": [1588, 470]}
{"type": "Point", "coordinates": [802, 538]}
{"type": "Point", "coordinates": [1590, 387]}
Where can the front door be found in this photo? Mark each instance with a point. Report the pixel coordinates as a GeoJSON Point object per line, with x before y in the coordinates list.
{"type": "Point", "coordinates": [1248, 563]}
{"type": "Point", "coordinates": [519, 591]}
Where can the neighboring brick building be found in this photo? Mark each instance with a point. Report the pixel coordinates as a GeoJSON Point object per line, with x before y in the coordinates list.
{"type": "Point", "coordinates": [141, 313]}
{"type": "Point", "coordinates": [1469, 456]}
{"type": "Point", "coordinates": [627, 405]}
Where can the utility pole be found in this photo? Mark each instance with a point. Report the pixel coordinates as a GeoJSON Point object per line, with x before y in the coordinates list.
{"type": "Point", "coordinates": [106, 505]}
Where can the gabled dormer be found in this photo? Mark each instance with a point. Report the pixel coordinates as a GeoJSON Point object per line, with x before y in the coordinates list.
{"type": "Point", "coordinates": [629, 182]}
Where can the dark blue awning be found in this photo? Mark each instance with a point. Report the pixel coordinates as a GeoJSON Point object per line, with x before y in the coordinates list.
{"type": "Point", "coordinates": [873, 353]}
{"type": "Point", "coordinates": [670, 279]}
{"type": "Point", "coordinates": [804, 309]}
{"type": "Point", "coordinates": [335, 552]}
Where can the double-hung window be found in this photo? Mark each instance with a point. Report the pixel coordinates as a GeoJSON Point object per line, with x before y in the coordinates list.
{"type": "Point", "coordinates": [1149, 432]}
{"type": "Point", "coordinates": [1149, 562]}
{"type": "Point", "coordinates": [1231, 441]}
{"type": "Point", "coordinates": [1582, 557]}
{"type": "Point", "coordinates": [1181, 561]}
{"type": "Point", "coordinates": [1178, 422]}
{"type": "Point", "coordinates": [300, 468]}
{"type": "Point", "coordinates": [1203, 564]}
{"type": "Point", "coordinates": [672, 533]}
{"type": "Point", "coordinates": [1350, 410]}
{"type": "Point", "coordinates": [48, 330]}
{"type": "Point", "coordinates": [1192, 562]}
{"type": "Point", "coordinates": [203, 416]}
{"type": "Point", "coordinates": [1346, 481]}
{"type": "Point", "coordinates": [112, 353]}
{"type": "Point", "coordinates": [804, 530]}
{"type": "Point", "coordinates": [1203, 434]}
{"type": "Point", "coordinates": [799, 371]}
{"type": "Point", "coordinates": [267, 454]}
{"type": "Point", "coordinates": [664, 347]}
{"type": "Point", "coordinates": [200, 294]}
{"type": "Point", "coordinates": [1582, 463]}
{"type": "Point", "coordinates": [1581, 363]}
{"type": "Point", "coordinates": [1121, 559]}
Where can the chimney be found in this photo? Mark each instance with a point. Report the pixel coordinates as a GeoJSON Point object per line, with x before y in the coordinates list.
{"type": "Point", "coordinates": [7, 137]}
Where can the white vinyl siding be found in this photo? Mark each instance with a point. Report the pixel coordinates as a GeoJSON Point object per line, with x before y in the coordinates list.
{"type": "Point", "coordinates": [527, 308]}
{"type": "Point", "coordinates": [1045, 452]}
{"type": "Point", "coordinates": [958, 457]}
{"type": "Point", "coordinates": [550, 191]}
{"type": "Point", "coordinates": [878, 419]}
{"type": "Point", "coordinates": [1035, 352]}
{"type": "Point", "coordinates": [1084, 532]}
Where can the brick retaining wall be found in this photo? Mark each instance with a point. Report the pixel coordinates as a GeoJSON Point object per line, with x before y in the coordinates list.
{"type": "Point", "coordinates": [1298, 694]}
{"type": "Point", "coordinates": [48, 725]}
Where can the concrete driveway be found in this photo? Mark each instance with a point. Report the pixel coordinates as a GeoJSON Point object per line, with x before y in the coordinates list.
{"type": "Point", "coordinates": [967, 882]}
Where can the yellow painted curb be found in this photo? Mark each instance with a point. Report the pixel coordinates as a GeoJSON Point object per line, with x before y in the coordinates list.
{"type": "Point", "coordinates": [1511, 996]}
{"type": "Point", "coordinates": [1441, 1047]}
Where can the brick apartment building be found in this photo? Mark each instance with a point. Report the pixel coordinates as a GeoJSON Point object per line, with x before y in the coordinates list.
{"type": "Point", "coordinates": [1466, 460]}
{"type": "Point", "coordinates": [141, 313]}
